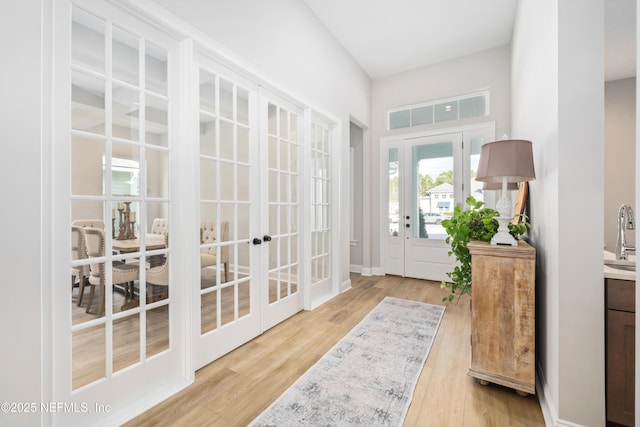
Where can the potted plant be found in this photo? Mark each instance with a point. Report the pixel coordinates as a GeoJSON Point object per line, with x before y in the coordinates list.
{"type": "Point", "coordinates": [475, 223]}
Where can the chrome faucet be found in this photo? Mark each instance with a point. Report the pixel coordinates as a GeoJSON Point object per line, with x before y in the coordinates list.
{"type": "Point", "coordinates": [625, 222]}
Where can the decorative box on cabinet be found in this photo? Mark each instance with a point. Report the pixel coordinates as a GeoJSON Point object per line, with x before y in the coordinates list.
{"type": "Point", "coordinates": [503, 315]}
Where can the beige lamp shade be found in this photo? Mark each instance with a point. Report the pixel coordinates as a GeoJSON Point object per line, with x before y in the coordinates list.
{"type": "Point", "coordinates": [511, 159]}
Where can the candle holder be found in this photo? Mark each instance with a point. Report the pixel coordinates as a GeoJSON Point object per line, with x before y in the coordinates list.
{"type": "Point", "coordinates": [121, 224]}
{"type": "Point", "coordinates": [131, 230]}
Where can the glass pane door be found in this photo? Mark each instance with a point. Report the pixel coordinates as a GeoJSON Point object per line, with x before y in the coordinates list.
{"type": "Point", "coordinates": [282, 238]}
{"type": "Point", "coordinates": [227, 287]}
{"type": "Point", "coordinates": [118, 313]}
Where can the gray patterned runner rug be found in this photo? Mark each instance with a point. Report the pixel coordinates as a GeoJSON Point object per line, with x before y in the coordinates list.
{"type": "Point", "coordinates": [368, 377]}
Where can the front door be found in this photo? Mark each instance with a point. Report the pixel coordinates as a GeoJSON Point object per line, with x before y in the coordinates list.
{"type": "Point", "coordinates": [426, 178]}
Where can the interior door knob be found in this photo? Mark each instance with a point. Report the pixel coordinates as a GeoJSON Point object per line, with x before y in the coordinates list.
{"type": "Point", "coordinates": [407, 225]}
{"type": "Point", "coordinates": [257, 241]}
{"type": "Point", "coordinates": [266, 238]}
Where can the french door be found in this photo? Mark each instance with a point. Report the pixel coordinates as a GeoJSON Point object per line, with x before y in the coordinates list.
{"type": "Point", "coordinates": [249, 224]}
{"type": "Point", "coordinates": [116, 337]}
{"type": "Point", "coordinates": [427, 176]}
{"type": "Point", "coordinates": [281, 149]}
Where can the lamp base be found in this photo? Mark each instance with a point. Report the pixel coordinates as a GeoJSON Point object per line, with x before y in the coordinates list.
{"type": "Point", "coordinates": [503, 237]}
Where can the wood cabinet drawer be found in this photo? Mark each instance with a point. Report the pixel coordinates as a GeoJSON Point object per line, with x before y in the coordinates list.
{"type": "Point", "coordinates": [621, 295]}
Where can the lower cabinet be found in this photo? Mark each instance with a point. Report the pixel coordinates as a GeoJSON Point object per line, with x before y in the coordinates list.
{"type": "Point", "coordinates": [503, 315]}
{"type": "Point", "coordinates": [620, 344]}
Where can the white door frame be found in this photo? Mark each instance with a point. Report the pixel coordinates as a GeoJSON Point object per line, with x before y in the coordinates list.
{"type": "Point", "coordinates": [485, 129]}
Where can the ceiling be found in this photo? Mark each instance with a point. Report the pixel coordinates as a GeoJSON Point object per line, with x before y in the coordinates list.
{"type": "Point", "coordinates": [388, 37]}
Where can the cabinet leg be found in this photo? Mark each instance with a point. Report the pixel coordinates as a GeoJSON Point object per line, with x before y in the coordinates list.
{"type": "Point", "coordinates": [522, 393]}
{"type": "Point", "coordinates": [484, 382]}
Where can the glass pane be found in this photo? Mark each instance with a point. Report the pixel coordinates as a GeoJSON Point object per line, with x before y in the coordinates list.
{"type": "Point", "coordinates": [273, 219]}
{"type": "Point", "coordinates": [226, 99]}
{"type": "Point", "coordinates": [244, 261]}
{"type": "Point", "coordinates": [125, 170]}
{"type": "Point", "coordinates": [273, 153]}
{"type": "Point", "coordinates": [243, 106]}
{"type": "Point", "coordinates": [157, 330]}
{"type": "Point", "coordinates": [432, 189]}
{"type": "Point", "coordinates": [273, 119]}
{"type": "Point", "coordinates": [87, 214]}
{"type": "Point", "coordinates": [227, 142]}
{"type": "Point", "coordinates": [207, 92]}
{"type": "Point", "coordinates": [125, 226]}
{"type": "Point", "coordinates": [394, 203]}
{"type": "Point", "coordinates": [284, 283]}
{"type": "Point", "coordinates": [284, 155]}
{"type": "Point", "coordinates": [273, 186]}
{"type": "Point", "coordinates": [157, 173]}
{"type": "Point", "coordinates": [228, 214]}
{"type": "Point", "coordinates": [446, 111]}
{"type": "Point", "coordinates": [284, 219]}
{"type": "Point", "coordinates": [126, 112]}
{"type": "Point", "coordinates": [472, 107]}
{"type": "Point", "coordinates": [284, 124]}
{"type": "Point", "coordinates": [476, 186]}
{"type": "Point", "coordinates": [155, 67]}
{"type": "Point", "coordinates": [294, 158]}
{"type": "Point", "coordinates": [243, 183]}
{"type": "Point", "coordinates": [227, 296]}
{"type": "Point", "coordinates": [294, 279]}
{"type": "Point", "coordinates": [227, 177]}
{"type": "Point", "coordinates": [87, 96]}
{"type": "Point", "coordinates": [87, 172]}
{"type": "Point", "coordinates": [208, 136]}
{"type": "Point", "coordinates": [87, 35]}
{"type": "Point", "coordinates": [157, 219]}
{"type": "Point", "coordinates": [273, 252]}
{"type": "Point", "coordinates": [156, 121]}
{"type": "Point", "coordinates": [293, 123]}
{"type": "Point", "coordinates": [273, 287]}
{"type": "Point", "coordinates": [208, 190]}
{"type": "Point", "coordinates": [244, 294]}
{"type": "Point", "coordinates": [125, 56]}
{"type": "Point", "coordinates": [294, 248]}
{"type": "Point", "coordinates": [125, 274]}
{"type": "Point", "coordinates": [284, 187]}
{"type": "Point", "coordinates": [422, 116]}
{"type": "Point", "coordinates": [88, 355]}
{"type": "Point", "coordinates": [208, 310]}
{"type": "Point", "coordinates": [400, 119]}
{"type": "Point", "coordinates": [126, 342]}
{"type": "Point", "coordinates": [243, 144]}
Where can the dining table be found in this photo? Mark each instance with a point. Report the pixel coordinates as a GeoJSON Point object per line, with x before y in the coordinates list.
{"type": "Point", "coordinates": [152, 242]}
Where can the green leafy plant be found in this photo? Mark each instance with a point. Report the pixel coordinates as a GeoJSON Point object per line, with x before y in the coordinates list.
{"type": "Point", "coordinates": [475, 223]}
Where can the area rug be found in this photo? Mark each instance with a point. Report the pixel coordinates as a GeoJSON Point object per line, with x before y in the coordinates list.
{"type": "Point", "coordinates": [368, 377]}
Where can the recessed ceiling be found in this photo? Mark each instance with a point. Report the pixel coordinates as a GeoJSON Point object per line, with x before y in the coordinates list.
{"type": "Point", "coordinates": [389, 37]}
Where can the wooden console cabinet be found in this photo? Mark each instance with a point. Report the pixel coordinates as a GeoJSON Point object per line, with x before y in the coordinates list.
{"type": "Point", "coordinates": [503, 315]}
{"type": "Point", "coordinates": [621, 342]}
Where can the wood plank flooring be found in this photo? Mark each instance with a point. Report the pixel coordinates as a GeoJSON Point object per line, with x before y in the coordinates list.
{"type": "Point", "coordinates": [236, 388]}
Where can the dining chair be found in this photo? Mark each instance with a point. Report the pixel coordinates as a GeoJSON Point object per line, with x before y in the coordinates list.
{"type": "Point", "coordinates": [159, 275]}
{"type": "Point", "coordinates": [78, 251]}
{"type": "Point", "coordinates": [160, 226]}
{"type": "Point", "coordinates": [208, 256]}
{"type": "Point", "coordinates": [122, 273]}
{"type": "Point", "coordinates": [95, 223]}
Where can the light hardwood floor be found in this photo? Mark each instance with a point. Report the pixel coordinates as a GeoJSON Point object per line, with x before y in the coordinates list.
{"type": "Point", "coordinates": [236, 388]}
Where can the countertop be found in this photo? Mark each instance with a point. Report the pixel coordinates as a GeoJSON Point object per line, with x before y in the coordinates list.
{"type": "Point", "coordinates": [614, 273]}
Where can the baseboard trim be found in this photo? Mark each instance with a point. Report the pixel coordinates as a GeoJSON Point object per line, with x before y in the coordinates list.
{"type": "Point", "coordinates": [345, 286]}
{"type": "Point", "coordinates": [353, 268]}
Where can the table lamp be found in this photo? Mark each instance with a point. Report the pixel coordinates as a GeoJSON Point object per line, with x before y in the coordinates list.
{"type": "Point", "coordinates": [504, 162]}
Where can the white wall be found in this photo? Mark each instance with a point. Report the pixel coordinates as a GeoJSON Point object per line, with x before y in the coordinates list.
{"type": "Point", "coordinates": [20, 217]}
{"type": "Point", "coordinates": [294, 51]}
{"type": "Point", "coordinates": [489, 69]}
{"type": "Point", "coordinates": [558, 103]}
{"type": "Point", "coordinates": [619, 155]}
